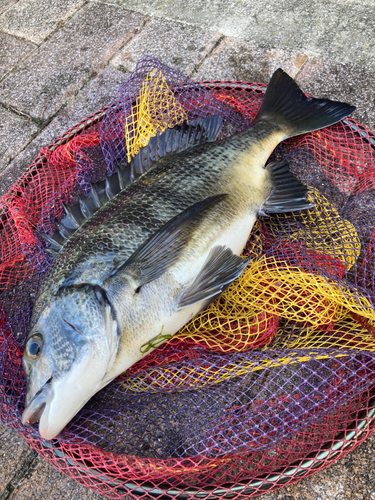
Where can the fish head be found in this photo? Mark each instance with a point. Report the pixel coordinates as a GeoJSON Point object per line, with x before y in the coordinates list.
{"type": "Point", "coordinates": [69, 350]}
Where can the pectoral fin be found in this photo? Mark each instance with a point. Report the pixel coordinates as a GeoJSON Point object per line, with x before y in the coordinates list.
{"type": "Point", "coordinates": [220, 269]}
{"type": "Point", "coordinates": [161, 251]}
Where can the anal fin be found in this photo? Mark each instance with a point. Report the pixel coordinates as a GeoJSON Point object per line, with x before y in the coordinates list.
{"type": "Point", "coordinates": [288, 192]}
{"type": "Point", "coordinates": [220, 269]}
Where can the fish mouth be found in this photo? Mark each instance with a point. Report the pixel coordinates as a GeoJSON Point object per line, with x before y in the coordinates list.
{"type": "Point", "coordinates": [34, 410]}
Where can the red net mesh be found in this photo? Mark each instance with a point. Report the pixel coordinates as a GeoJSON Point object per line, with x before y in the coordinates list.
{"type": "Point", "coordinates": [275, 380]}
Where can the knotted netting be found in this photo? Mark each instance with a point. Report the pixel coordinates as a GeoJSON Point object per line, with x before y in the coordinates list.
{"type": "Point", "coordinates": [276, 378]}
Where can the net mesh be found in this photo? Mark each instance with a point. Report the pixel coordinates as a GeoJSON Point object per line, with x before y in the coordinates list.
{"type": "Point", "coordinates": [276, 378]}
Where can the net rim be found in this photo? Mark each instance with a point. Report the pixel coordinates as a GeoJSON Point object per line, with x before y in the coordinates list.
{"type": "Point", "coordinates": [310, 464]}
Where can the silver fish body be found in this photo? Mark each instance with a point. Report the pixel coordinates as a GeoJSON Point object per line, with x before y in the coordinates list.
{"type": "Point", "coordinates": [157, 253]}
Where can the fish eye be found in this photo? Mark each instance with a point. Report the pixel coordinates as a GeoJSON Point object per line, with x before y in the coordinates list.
{"type": "Point", "coordinates": [34, 346]}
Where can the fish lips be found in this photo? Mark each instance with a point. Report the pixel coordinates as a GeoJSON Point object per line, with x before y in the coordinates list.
{"type": "Point", "coordinates": [34, 411]}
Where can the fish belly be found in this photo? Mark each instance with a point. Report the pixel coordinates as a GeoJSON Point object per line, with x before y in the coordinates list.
{"type": "Point", "coordinates": [235, 238]}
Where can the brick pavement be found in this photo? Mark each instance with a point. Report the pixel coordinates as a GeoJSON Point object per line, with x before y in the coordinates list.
{"type": "Point", "coordinates": [61, 61]}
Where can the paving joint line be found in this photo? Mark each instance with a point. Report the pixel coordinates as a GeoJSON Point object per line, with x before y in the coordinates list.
{"type": "Point", "coordinates": [302, 67]}
{"type": "Point", "coordinates": [158, 16]}
{"type": "Point", "coordinates": [19, 113]}
{"type": "Point", "coordinates": [22, 39]}
{"type": "Point", "coordinates": [42, 124]}
{"type": "Point", "coordinates": [145, 21]}
{"type": "Point", "coordinates": [60, 24]}
{"type": "Point", "coordinates": [199, 64]}
{"type": "Point", "coordinates": [19, 62]}
{"type": "Point", "coordinates": [23, 472]}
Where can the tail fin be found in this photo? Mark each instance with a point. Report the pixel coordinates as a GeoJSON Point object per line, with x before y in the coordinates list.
{"type": "Point", "coordinates": [287, 106]}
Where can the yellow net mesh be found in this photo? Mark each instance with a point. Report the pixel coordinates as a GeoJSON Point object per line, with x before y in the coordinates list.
{"type": "Point", "coordinates": [347, 335]}
{"type": "Point", "coordinates": [155, 109]}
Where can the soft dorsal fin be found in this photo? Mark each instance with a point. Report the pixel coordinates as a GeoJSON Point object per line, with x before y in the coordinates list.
{"type": "Point", "coordinates": [288, 192]}
{"type": "Point", "coordinates": [221, 268]}
{"type": "Point", "coordinates": [173, 140]}
{"type": "Point", "coordinates": [161, 251]}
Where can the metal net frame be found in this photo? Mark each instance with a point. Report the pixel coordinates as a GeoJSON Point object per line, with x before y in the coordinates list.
{"type": "Point", "coordinates": [275, 379]}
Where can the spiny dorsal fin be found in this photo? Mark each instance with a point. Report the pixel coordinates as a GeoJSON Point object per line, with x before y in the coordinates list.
{"type": "Point", "coordinates": [56, 241]}
{"type": "Point", "coordinates": [288, 192]}
{"type": "Point", "coordinates": [161, 251]}
{"type": "Point", "coordinates": [173, 140]}
{"type": "Point", "coordinates": [220, 269]}
{"type": "Point", "coordinates": [73, 217]}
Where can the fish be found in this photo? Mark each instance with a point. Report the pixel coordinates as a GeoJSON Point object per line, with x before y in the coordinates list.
{"type": "Point", "coordinates": [152, 246]}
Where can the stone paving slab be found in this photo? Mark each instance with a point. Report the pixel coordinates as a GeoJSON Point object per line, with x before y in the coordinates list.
{"type": "Point", "coordinates": [93, 97]}
{"type": "Point", "coordinates": [36, 20]}
{"type": "Point", "coordinates": [83, 46]}
{"type": "Point", "coordinates": [12, 51]}
{"type": "Point", "coordinates": [183, 47]}
{"type": "Point", "coordinates": [5, 4]}
{"type": "Point", "coordinates": [341, 30]}
{"type": "Point", "coordinates": [13, 448]}
{"type": "Point", "coordinates": [25, 475]}
{"type": "Point", "coordinates": [235, 59]}
{"type": "Point", "coordinates": [47, 482]}
{"type": "Point", "coordinates": [15, 133]}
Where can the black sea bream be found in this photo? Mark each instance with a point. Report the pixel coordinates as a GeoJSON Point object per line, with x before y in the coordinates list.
{"type": "Point", "coordinates": [158, 252]}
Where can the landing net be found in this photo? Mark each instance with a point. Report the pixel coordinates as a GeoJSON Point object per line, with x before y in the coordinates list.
{"type": "Point", "coordinates": [276, 378]}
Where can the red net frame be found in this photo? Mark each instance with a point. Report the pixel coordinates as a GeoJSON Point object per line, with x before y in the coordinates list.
{"type": "Point", "coordinates": [116, 476]}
